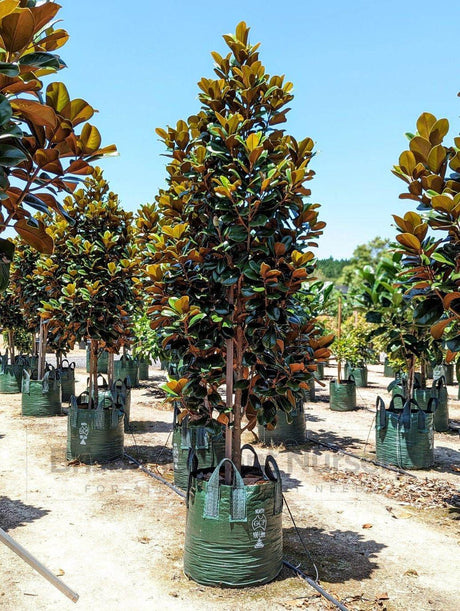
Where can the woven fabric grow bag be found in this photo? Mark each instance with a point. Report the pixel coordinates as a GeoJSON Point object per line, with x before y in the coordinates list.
{"type": "Point", "coordinates": [441, 414]}
{"type": "Point", "coordinates": [388, 371]}
{"type": "Point", "coordinates": [41, 398]}
{"type": "Point", "coordinates": [359, 375]}
{"type": "Point", "coordinates": [121, 391]}
{"type": "Point", "coordinates": [127, 366]}
{"type": "Point", "coordinates": [11, 375]}
{"type": "Point", "coordinates": [144, 370]}
{"type": "Point", "coordinates": [319, 371]}
{"type": "Point", "coordinates": [67, 373]}
{"type": "Point", "coordinates": [290, 428]}
{"type": "Point", "coordinates": [404, 437]}
{"type": "Point", "coordinates": [233, 534]}
{"type": "Point", "coordinates": [209, 449]}
{"type": "Point", "coordinates": [342, 395]}
{"type": "Point", "coordinates": [102, 361]}
{"type": "Point", "coordinates": [94, 434]}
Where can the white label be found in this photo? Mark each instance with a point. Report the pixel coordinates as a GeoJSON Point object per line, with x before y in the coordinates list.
{"type": "Point", "coordinates": [83, 432]}
{"type": "Point", "coordinates": [259, 528]}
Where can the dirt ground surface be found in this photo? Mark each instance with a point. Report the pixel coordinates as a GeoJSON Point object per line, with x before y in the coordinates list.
{"type": "Point", "coordinates": [380, 539]}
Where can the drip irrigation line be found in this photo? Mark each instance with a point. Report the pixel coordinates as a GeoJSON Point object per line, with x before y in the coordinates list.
{"type": "Point", "coordinates": [302, 541]}
{"type": "Point", "coordinates": [335, 448]}
{"type": "Point", "coordinates": [296, 570]}
{"type": "Point", "coordinates": [155, 476]}
{"type": "Point", "coordinates": [317, 587]}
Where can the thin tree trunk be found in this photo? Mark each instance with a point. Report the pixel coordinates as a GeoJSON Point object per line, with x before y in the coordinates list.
{"type": "Point", "coordinates": [423, 368]}
{"type": "Point", "coordinates": [411, 376]}
{"type": "Point", "coordinates": [42, 349]}
{"type": "Point", "coordinates": [229, 399]}
{"type": "Point", "coordinates": [93, 390]}
{"type": "Point", "coordinates": [110, 368]}
{"type": "Point", "coordinates": [58, 360]}
{"type": "Point", "coordinates": [236, 442]}
{"type": "Point", "coordinates": [11, 344]}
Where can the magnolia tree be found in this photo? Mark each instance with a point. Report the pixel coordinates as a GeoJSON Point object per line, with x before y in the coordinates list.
{"type": "Point", "coordinates": [46, 141]}
{"type": "Point", "coordinates": [11, 319]}
{"type": "Point", "coordinates": [430, 239]}
{"type": "Point", "coordinates": [231, 251]}
{"type": "Point", "coordinates": [96, 258]}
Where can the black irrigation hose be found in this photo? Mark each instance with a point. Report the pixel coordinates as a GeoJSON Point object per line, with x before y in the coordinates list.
{"type": "Point", "coordinates": [315, 585]}
{"type": "Point", "coordinates": [335, 448]}
{"type": "Point", "coordinates": [155, 476]}
{"type": "Point", "coordinates": [296, 570]}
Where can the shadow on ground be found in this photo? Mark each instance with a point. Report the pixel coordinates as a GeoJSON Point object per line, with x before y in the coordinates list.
{"type": "Point", "coordinates": [340, 556]}
{"type": "Point", "coordinates": [340, 442]}
{"type": "Point", "coordinates": [150, 426]}
{"type": "Point", "coordinates": [446, 460]}
{"type": "Point", "coordinates": [16, 513]}
{"type": "Point", "coordinates": [156, 455]}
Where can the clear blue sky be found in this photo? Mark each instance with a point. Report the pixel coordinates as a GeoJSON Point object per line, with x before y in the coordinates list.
{"type": "Point", "coordinates": [362, 70]}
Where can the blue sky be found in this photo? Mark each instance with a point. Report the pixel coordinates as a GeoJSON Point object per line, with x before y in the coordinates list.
{"type": "Point", "coordinates": [362, 70]}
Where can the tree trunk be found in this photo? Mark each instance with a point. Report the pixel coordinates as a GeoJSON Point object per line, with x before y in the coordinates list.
{"type": "Point", "coordinates": [93, 390]}
{"type": "Point", "coordinates": [58, 359]}
{"type": "Point", "coordinates": [411, 376]}
{"type": "Point", "coordinates": [110, 368]}
{"type": "Point", "coordinates": [229, 400]}
{"type": "Point", "coordinates": [11, 345]}
{"type": "Point", "coordinates": [237, 411]}
{"type": "Point", "coordinates": [42, 349]}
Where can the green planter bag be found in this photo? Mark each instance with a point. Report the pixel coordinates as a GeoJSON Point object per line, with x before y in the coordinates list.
{"type": "Point", "coordinates": [359, 375]}
{"type": "Point", "coordinates": [290, 428]}
{"type": "Point", "coordinates": [102, 361]}
{"type": "Point", "coordinates": [233, 534]}
{"type": "Point", "coordinates": [441, 414]}
{"type": "Point", "coordinates": [67, 373]}
{"type": "Point", "coordinates": [94, 434]}
{"type": "Point", "coordinates": [41, 398]}
{"type": "Point", "coordinates": [127, 366]}
{"type": "Point", "coordinates": [404, 437]}
{"type": "Point", "coordinates": [121, 391]}
{"type": "Point", "coordinates": [342, 395]}
{"type": "Point", "coordinates": [11, 375]}
{"type": "Point", "coordinates": [209, 449]}
{"type": "Point", "coordinates": [144, 370]}
{"type": "Point", "coordinates": [319, 371]}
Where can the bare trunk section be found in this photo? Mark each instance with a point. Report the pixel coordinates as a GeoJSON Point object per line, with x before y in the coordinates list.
{"type": "Point", "coordinates": [43, 335]}
{"type": "Point", "coordinates": [11, 345]}
{"type": "Point", "coordinates": [93, 391]}
{"type": "Point", "coordinates": [110, 368]}
{"type": "Point", "coordinates": [229, 399]}
{"type": "Point", "coordinates": [237, 411]}
{"type": "Point", "coordinates": [410, 377]}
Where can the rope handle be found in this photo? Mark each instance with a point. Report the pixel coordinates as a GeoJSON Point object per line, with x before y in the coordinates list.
{"type": "Point", "coordinates": [381, 413]}
{"type": "Point", "coordinates": [238, 494]}
{"type": "Point", "coordinates": [405, 419]}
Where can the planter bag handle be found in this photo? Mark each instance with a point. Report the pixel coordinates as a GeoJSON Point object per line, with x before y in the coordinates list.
{"type": "Point", "coordinates": [392, 406]}
{"type": "Point", "coordinates": [26, 382]}
{"type": "Point", "coordinates": [127, 383]}
{"type": "Point", "coordinates": [432, 405]}
{"type": "Point", "coordinates": [4, 358]}
{"type": "Point", "coordinates": [351, 378]}
{"type": "Point", "coordinates": [201, 438]}
{"type": "Point", "coordinates": [192, 466]}
{"type": "Point", "coordinates": [103, 385]}
{"type": "Point", "coordinates": [238, 495]}
{"type": "Point", "coordinates": [438, 384]}
{"type": "Point", "coordinates": [256, 463]}
{"type": "Point", "coordinates": [405, 417]}
{"type": "Point", "coordinates": [176, 412]}
{"type": "Point", "coordinates": [273, 473]}
{"type": "Point", "coordinates": [46, 382]}
{"type": "Point", "coordinates": [381, 413]}
{"type": "Point", "coordinates": [64, 361]}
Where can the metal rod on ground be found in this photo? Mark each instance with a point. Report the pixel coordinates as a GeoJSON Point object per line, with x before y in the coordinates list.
{"type": "Point", "coordinates": [315, 585]}
{"type": "Point", "coordinates": [335, 448]}
{"type": "Point", "coordinates": [35, 564]}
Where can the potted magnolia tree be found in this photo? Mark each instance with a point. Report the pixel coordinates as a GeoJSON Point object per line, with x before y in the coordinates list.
{"type": "Point", "coordinates": [13, 324]}
{"type": "Point", "coordinates": [428, 239]}
{"type": "Point", "coordinates": [97, 302]}
{"type": "Point", "coordinates": [230, 254]}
